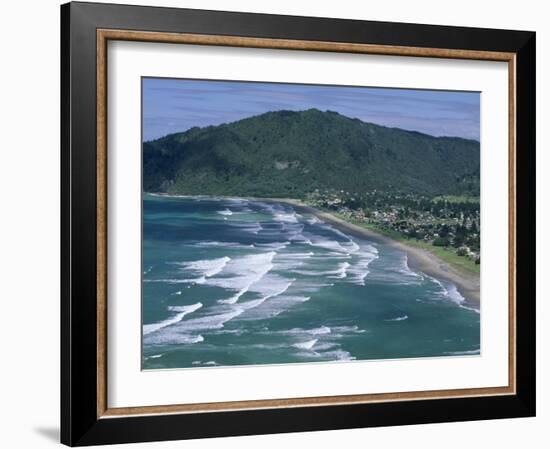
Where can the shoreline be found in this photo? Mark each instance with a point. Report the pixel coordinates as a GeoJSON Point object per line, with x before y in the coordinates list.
{"type": "Point", "coordinates": [468, 284]}
{"type": "Point", "coordinates": [418, 259]}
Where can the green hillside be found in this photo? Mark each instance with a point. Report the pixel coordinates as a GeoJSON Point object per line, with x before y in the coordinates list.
{"type": "Point", "coordinates": [290, 154]}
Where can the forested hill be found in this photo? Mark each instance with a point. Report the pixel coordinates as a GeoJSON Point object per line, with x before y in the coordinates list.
{"type": "Point", "coordinates": [291, 154]}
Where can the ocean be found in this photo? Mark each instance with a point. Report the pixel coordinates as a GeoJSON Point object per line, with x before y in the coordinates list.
{"type": "Point", "coordinates": [231, 282]}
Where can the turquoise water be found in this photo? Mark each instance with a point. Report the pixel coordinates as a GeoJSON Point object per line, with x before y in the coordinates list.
{"type": "Point", "coordinates": [239, 282]}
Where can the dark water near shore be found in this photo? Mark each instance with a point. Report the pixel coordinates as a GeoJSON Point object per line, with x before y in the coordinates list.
{"type": "Point", "coordinates": [238, 282]}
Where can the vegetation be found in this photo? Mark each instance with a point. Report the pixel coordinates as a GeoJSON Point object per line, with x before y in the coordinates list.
{"type": "Point", "coordinates": [291, 154]}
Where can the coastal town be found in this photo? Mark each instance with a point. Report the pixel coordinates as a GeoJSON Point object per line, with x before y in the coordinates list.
{"type": "Point", "coordinates": [450, 222]}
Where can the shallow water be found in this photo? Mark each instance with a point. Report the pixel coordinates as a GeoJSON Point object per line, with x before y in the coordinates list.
{"type": "Point", "coordinates": [239, 282]}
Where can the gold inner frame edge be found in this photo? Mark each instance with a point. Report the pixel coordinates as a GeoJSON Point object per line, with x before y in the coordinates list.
{"type": "Point", "coordinates": [105, 35]}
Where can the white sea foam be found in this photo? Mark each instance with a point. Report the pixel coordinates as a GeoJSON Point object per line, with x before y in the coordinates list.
{"type": "Point", "coordinates": [323, 330]}
{"type": "Point", "coordinates": [293, 232]}
{"type": "Point", "coordinates": [339, 273]}
{"type": "Point", "coordinates": [225, 212]}
{"type": "Point", "coordinates": [279, 212]}
{"type": "Point", "coordinates": [331, 245]}
{"type": "Point", "coordinates": [347, 330]}
{"type": "Point", "coordinates": [395, 270]}
{"type": "Point", "coordinates": [322, 341]}
{"type": "Point", "coordinates": [314, 220]}
{"type": "Point", "coordinates": [214, 321]}
{"type": "Point", "coordinates": [451, 292]}
{"type": "Point", "coordinates": [233, 299]}
{"type": "Point", "coordinates": [289, 261]}
{"type": "Point", "coordinates": [207, 267]}
{"type": "Point", "coordinates": [270, 288]}
{"type": "Point", "coordinates": [339, 354]}
{"type": "Point", "coordinates": [325, 346]}
{"type": "Point", "coordinates": [298, 331]}
{"type": "Point", "coordinates": [236, 200]}
{"type": "Point", "coordinates": [467, 352]}
{"type": "Point", "coordinates": [320, 330]}
{"type": "Point", "coordinates": [405, 269]}
{"type": "Point", "coordinates": [186, 309]}
{"type": "Point", "coordinates": [273, 245]}
{"type": "Point", "coordinates": [334, 255]}
{"type": "Point", "coordinates": [291, 217]}
{"type": "Point", "coordinates": [272, 285]}
{"type": "Point", "coordinates": [306, 344]}
{"type": "Point", "coordinates": [173, 338]}
{"type": "Point", "coordinates": [351, 246]}
{"type": "Point", "coordinates": [229, 331]}
{"type": "Point", "coordinates": [182, 311]}
{"type": "Point", "coordinates": [220, 315]}
{"type": "Point", "coordinates": [271, 309]}
{"type": "Point", "coordinates": [336, 231]}
{"type": "Point", "coordinates": [253, 228]}
{"type": "Point", "coordinates": [324, 334]}
{"type": "Point", "coordinates": [360, 267]}
{"type": "Point", "coordinates": [209, 363]}
{"type": "Point", "coordinates": [296, 255]}
{"type": "Point", "coordinates": [330, 355]}
{"type": "Point", "coordinates": [399, 318]}
{"type": "Point", "coordinates": [242, 273]}
{"type": "Point", "coordinates": [360, 274]}
{"type": "Point", "coordinates": [298, 298]}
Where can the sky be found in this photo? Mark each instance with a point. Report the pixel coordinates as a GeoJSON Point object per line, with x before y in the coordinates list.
{"type": "Point", "coordinates": [175, 105]}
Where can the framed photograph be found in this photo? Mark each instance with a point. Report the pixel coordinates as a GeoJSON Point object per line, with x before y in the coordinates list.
{"type": "Point", "coordinates": [281, 224]}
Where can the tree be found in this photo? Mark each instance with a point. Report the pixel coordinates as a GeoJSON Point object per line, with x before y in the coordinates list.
{"type": "Point", "coordinates": [441, 241]}
{"type": "Point", "coordinates": [458, 241]}
{"type": "Point", "coordinates": [444, 231]}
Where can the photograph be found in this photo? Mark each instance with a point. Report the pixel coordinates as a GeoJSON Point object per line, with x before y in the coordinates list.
{"type": "Point", "coordinates": [300, 223]}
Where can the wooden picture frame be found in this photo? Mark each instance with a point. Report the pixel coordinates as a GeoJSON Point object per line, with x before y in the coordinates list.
{"type": "Point", "coordinates": [86, 29]}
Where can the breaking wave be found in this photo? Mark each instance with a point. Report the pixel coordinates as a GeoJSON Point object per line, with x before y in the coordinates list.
{"type": "Point", "coordinates": [181, 312]}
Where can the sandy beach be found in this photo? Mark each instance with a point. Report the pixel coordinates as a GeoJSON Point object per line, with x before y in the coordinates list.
{"type": "Point", "coordinates": [468, 284]}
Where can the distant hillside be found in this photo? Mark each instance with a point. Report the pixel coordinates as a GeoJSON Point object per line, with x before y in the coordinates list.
{"type": "Point", "coordinates": [289, 154]}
